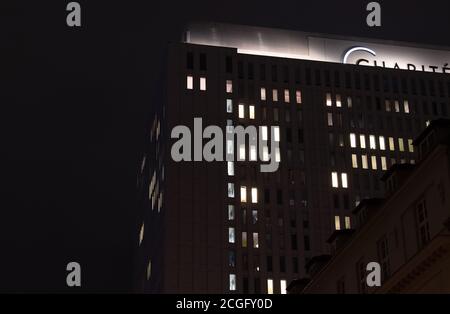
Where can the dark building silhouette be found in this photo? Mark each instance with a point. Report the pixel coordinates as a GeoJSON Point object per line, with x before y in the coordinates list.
{"type": "Point", "coordinates": [216, 227]}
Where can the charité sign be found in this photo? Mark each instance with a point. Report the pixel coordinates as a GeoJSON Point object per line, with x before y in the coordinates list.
{"type": "Point", "coordinates": [361, 55]}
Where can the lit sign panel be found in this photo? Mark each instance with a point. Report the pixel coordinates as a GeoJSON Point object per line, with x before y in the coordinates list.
{"type": "Point", "coordinates": [319, 47]}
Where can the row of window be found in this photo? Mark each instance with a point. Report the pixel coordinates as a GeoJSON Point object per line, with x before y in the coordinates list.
{"type": "Point", "coordinates": [336, 183]}
{"type": "Point", "coordinates": [190, 83]}
{"type": "Point", "coordinates": [337, 222]}
{"type": "Point", "coordinates": [270, 285]}
{"type": "Point", "coordinates": [390, 106]}
{"type": "Point", "coordinates": [380, 143]}
{"type": "Point", "coordinates": [365, 162]}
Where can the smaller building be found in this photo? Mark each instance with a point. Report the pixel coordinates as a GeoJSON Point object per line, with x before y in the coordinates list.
{"type": "Point", "coordinates": [407, 233]}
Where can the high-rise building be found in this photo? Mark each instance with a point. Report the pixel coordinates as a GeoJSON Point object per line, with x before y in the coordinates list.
{"type": "Point", "coordinates": [343, 110]}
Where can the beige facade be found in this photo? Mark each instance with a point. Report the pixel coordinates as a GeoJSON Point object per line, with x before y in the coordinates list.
{"type": "Point", "coordinates": [408, 233]}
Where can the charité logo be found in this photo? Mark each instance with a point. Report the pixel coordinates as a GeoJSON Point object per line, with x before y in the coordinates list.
{"type": "Point", "coordinates": [222, 148]}
{"type": "Point", "coordinates": [408, 66]}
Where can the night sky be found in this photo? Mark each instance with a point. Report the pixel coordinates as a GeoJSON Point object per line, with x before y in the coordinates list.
{"type": "Point", "coordinates": [75, 109]}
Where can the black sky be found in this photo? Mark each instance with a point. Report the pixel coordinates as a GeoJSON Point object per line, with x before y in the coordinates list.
{"type": "Point", "coordinates": [74, 107]}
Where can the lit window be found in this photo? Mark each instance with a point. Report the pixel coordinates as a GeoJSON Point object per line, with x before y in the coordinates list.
{"type": "Point", "coordinates": [141, 233]}
{"type": "Point", "coordinates": [230, 166]}
{"type": "Point", "coordinates": [382, 143]}
{"type": "Point", "coordinates": [269, 286]}
{"type": "Point", "coordinates": [229, 106]}
{"type": "Point", "coordinates": [397, 106]}
{"type": "Point", "coordinates": [354, 161]}
{"type": "Point", "coordinates": [255, 240]}
{"type": "Point", "coordinates": [349, 102]}
{"type": "Point", "coordinates": [362, 141]}
{"type": "Point", "coordinates": [391, 144]}
{"type": "Point", "coordinates": [229, 86]}
{"type": "Point", "coordinates": [277, 155]}
{"type": "Point", "coordinates": [244, 239]}
{"type": "Point", "coordinates": [334, 180]}
{"type": "Point", "coordinates": [427, 123]}
{"type": "Point", "coordinates": [352, 140]}
{"type": "Point", "coordinates": [242, 152]}
{"type": "Point", "coordinates": [275, 95]}
{"type": "Point", "coordinates": [254, 195]}
{"type": "Point", "coordinates": [330, 119]}
{"type": "Point", "coordinates": [348, 224]}
{"type": "Point", "coordinates": [401, 145]}
{"type": "Point", "coordinates": [388, 105]}
{"type": "Point", "coordinates": [374, 163]}
{"type": "Point", "coordinates": [243, 194]}
{"type": "Point", "coordinates": [230, 147]}
{"type": "Point", "coordinates": [252, 152]}
{"type": "Point", "coordinates": [231, 212]}
{"type": "Point", "coordinates": [232, 282]}
{"type": "Point", "coordinates": [231, 235]}
{"type": "Point", "coordinates": [252, 112]}
{"type": "Point", "coordinates": [337, 223]}
{"type": "Point", "coordinates": [283, 286]}
{"type": "Point", "coordinates": [241, 111]}
{"type": "Point", "coordinates": [286, 96]}
{"type": "Point", "coordinates": [254, 216]}
{"type": "Point", "coordinates": [344, 180]}
{"type": "Point", "coordinates": [149, 269]}
{"type": "Point", "coordinates": [263, 93]}
{"type": "Point", "coordinates": [406, 106]}
{"type": "Point", "coordinates": [329, 101]}
{"type": "Point", "coordinates": [410, 146]}
{"type": "Point", "coordinates": [383, 163]}
{"type": "Point", "coordinates": [264, 133]}
{"type": "Point", "coordinates": [203, 83]}
{"type": "Point", "coordinates": [373, 143]}
{"type": "Point", "coordinates": [298, 97]}
{"type": "Point", "coordinates": [230, 127]}
{"type": "Point", "coordinates": [338, 101]}
{"type": "Point", "coordinates": [231, 190]}
{"type": "Point", "coordinates": [276, 134]}
{"type": "Point", "coordinates": [190, 82]}
{"type": "Point", "coordinates": [364, 162]}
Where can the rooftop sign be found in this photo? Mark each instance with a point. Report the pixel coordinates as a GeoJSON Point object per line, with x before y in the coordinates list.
{"type": "Point", "coordinates": [325, 48]}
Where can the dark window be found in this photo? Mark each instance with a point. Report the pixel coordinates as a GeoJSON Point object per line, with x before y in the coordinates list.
{"type": "Point", "coordinates": [279, 197]}
{"type": "Point", "coordinates": [282, 264]}
{"type": "Point", "coordinates": [229, 64]}
{"type": "Point", "coordinates": [190, 61]}
{"type": "Point", "coordinates": [294, 241]}
{"type": "Point", "coordinates": [245, 285]}
{"type": "Point", "coordinates": [432, 88]}
{"type": "Point", "coordinates": [289, 135]}
{"type": "Point", "coordinates": [297, 75]}
{"type": "Point", "coordinates": [318, 78]}
{"type": "Point", "coordinates": [267, 196]}
{"type": "Point", "coordinates": [357, 81]}
{"type": "Point", "coordinates": [257, 286]}
{"type": "Point", "coordinates": [269, 264]}
{"type": "Point", "coordinates": [395, 84]}
{"type": "Point", "coordinates": [336, 201]}
{"type": "Point", "coordinates": [376, 81]}
{"type": "Point", "coordinates": [367, 81]}
{"type": "Point", "coordinates": [327, 78]}
{"type": "Point", "coordinates": [337, 79]}
{"type": "Point", "coordinates": [300, 136]}
{"type": "Point", "coordinates": [274, 73]}
{"type": "Point", "coordinates": [285, 74]}
{"type": "Point", "coordinates": [348, 80]}
{"type": "Point", "coordinates": [240, 70]}
{"type": "Point", "coordinates": [202, 62]}
{"type": "Point", "coordinates": [251, 72]}
{"type": "Point", "coordinates": [308, 76]}
{"type": "Point", "coordinates": [295, 265]}
{"type": "Point", "coordinates": [262, 72]}
{"type": "Point", "coordinates": [306, 243]}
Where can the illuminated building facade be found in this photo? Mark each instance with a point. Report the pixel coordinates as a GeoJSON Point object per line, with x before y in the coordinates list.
{"type": "Point", "coordinates": [223, 227]}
